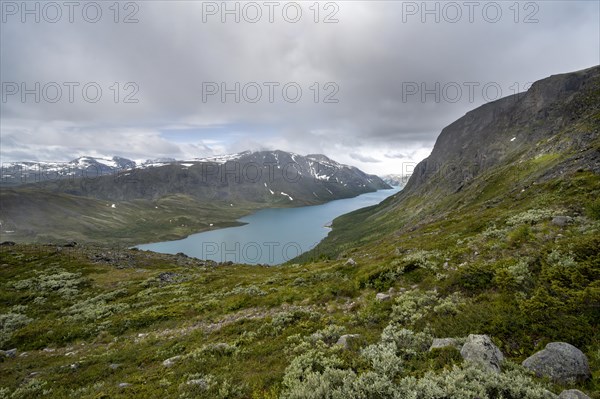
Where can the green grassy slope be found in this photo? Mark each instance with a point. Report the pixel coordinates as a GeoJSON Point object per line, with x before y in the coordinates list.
{"type": "Point", "coordinates": [35, 215]}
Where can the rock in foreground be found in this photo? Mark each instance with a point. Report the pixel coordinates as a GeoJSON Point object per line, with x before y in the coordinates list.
{"type": "Point", "coordinates": [561, 362]}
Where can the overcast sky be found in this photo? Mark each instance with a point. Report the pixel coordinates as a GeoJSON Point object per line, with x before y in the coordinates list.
{"type": "Point", "coordinates": [369, 74]}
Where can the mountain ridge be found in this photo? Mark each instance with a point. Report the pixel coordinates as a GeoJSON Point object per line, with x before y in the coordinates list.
{"type": "Point", "coordinates": [218, 191]}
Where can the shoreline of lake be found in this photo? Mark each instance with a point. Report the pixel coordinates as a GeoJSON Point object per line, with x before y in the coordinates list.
{"type": "Point", "coordinates": [268, 236]}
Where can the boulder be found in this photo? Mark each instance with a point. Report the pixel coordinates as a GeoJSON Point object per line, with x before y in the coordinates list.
{"type": "Point", "coordinates": [549, 395]}
{"type": "Point", "coordinates": [170, 277]}
{"type": "Point", "coordinates": [351, 262]}
{"type": "Point", "coordinates": [560, 361]}
{"type": "Point", "coordinates": [573, 394]}
{"type": "Point", "coordinates": [347, 339]}
{"type": "Point", "coordinates": [11, 353]}
{"type": "Point", "coordinates": [561, 221]}
{"type": "Point", "coordinates": [480, 349]}
{"type": "Point", "coordinates": [171, 361]}
{"type": "Point", "coordinates": [445, 343]}
{"type": "Point", "coordinates": [381, 297]}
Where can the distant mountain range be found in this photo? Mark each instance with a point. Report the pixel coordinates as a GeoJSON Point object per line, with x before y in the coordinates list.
{"type": "Point", "coordinates": [34, 193]}
{"type": "Point", "coordinates": [395, 180]}
{"type": "Point", "coordinates": [295, 167]}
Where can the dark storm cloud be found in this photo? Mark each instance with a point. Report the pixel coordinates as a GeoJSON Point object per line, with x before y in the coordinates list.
{"type": "Point", "coordinates": [397, 80]}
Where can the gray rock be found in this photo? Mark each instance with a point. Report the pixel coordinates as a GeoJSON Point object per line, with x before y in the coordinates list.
{"type": "Point", "coordinates": [573, 394]}
{"type": "Point", "coordinates": [170, 277]}
{"type": "Point", "coordinates": [11, 353]}
{"type": "Point", "coordinates": [351, 262]}
{"type": "Point", "coordinates": [480, 349]}
{"type": "Point", "coordinates": [444, 343]}
{"type": "Point", "coordinates": [562, 221]}
{"type": "Point", "coordinates": [114, 366]}
{"type": "Point", "coordinates": [346, 339]}
{"type": "Point", "coordinates": [381, 297]}
{"type": "Point", "coordinates": [560, 361]}
{"type": "Point", "coordinates": [124, 384]}
{"type": "Point", "coordinates": [171, 361]}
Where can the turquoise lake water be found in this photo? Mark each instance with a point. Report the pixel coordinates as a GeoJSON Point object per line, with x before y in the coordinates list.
{"type": "Point", "coordinates": [271, 236]}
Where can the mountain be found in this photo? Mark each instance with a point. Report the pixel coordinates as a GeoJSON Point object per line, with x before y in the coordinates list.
{"type": "Point", "coordinates": [395, 180]}
{"type": "Point", "coordinates": [17, 173]}
{"type": "Point", "coordinates": [498, 155]}
{"type": "Point", "coordinates": [265, 176]}
{"type": "Point", "coordinates": [249, 175]}
{"type": "Point", "coordinates": [123, 193]}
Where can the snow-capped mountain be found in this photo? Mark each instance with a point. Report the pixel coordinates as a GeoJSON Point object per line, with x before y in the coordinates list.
{"type": "Point", "coordinates": [263, 176]}
{"type": "Point", "coordinates": [395, 180]}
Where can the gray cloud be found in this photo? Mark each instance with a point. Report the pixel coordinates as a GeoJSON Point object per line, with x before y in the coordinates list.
{"type": "Point", "coordinates": [373, 56]}
{"type": "Point", "coordinates": [363, 158]}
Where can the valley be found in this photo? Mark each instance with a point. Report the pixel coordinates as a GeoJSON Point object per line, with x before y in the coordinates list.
{"type": "Point", "coordinates": [479, 279]}
{"type": "Point", "coordinates": [168, 200]}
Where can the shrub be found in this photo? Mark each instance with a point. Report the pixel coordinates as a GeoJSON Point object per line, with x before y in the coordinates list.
{"type": "Point", "coordinates": [97, 307]}
{"type": "Point", "coordinates": [475, 277]}
{"type": "Point", "coordinates": [520, 235]}
{"type": "Point", "coordinates": [413, 306]}
{"type": "Point", "coordinates": [531, 216]}
{"type": "Point", "coordinates": [423, 259]}
{"type": "Point", "coordinates": [57, 281]}
{"type": "Point", "coordinates": [9, 323]}
{"type": "Point", "coordinates": [593, 209]}
{"type": "Point", "coordinates": [250, 290]}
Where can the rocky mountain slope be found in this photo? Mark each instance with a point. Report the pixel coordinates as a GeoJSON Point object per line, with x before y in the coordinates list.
{"type": "Point", "coordinates": [510, 148]}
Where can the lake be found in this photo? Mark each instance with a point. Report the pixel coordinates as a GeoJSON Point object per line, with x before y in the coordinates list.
{"type": "Point", "coordinates": [271, 236]}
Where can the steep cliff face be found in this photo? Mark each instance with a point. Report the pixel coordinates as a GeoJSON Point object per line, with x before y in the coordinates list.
{"type": "Point", "coordinates": [514, 128]}
{"type": "Point", "coordinates": [502, 156]}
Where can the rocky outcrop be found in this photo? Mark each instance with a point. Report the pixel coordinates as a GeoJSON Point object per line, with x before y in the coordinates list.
{"type": "Point", "coordinates": [507, 129]}
{"type": "Point", "coordinates": [573, 394]}
{"type": "Point", "coordinates": [11, 353]}
{"type": "Point", "coordinates": [561, 362]}
{"type": "Point", "coordinates": [346, 340]}
{"type": "Point", "coordinates": [171, 361]}
{"type": "Point", "coordinates": [381, 297]}
{"type": "Point", "coordinates": [561, 221]}
{"type": "Point", "coordinates": [480, 349]}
